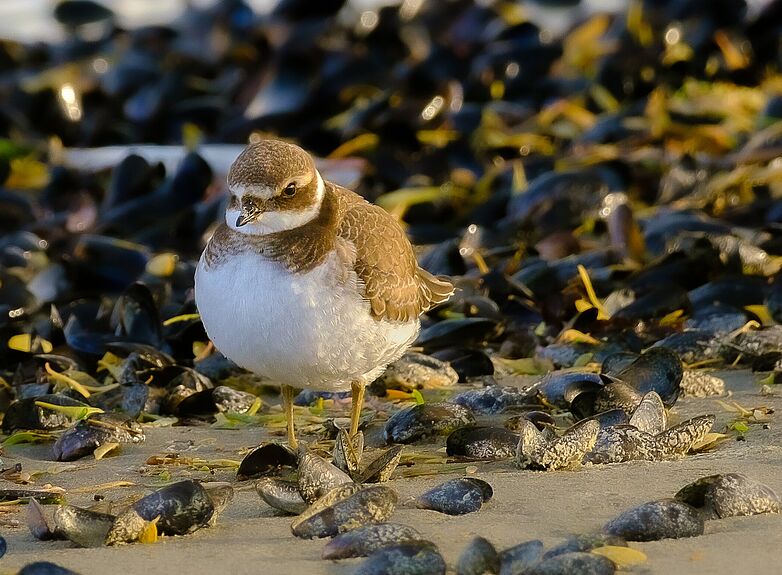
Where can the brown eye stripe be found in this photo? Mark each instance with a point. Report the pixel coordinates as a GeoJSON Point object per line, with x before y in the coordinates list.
{"type": "Point", "coordinates": [302, 199]}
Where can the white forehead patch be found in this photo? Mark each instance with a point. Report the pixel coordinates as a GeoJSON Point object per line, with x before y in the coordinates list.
{"type": "Point", "coordinates": [272, 222]}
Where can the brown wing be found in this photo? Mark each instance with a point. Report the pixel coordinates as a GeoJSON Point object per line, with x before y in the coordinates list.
{"type": "Point", "coordinates": [397, 289]}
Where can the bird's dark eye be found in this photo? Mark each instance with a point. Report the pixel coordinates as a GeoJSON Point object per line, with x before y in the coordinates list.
{"type": "Point", "coordinates": [289, 191]}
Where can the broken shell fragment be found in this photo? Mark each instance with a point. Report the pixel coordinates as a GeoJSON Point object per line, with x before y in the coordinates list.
{"type": "Point", "coordinates": [456, 496]}
{"type": "Point", "coordinates": [663, 519]}
{"type": "Point", "coordinates": [366, 540]}
{"type": "Point", "coordinates": [729, 495]}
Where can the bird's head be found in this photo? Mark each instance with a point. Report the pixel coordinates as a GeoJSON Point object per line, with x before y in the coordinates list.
{"type": "Point", "coordinates": [274, 187]}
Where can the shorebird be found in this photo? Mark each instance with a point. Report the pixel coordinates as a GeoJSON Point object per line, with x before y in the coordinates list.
{"type": "Point", "coordinates": [308, 284]}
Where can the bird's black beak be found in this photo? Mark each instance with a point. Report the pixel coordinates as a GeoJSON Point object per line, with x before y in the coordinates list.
{"type": "Point", "coordinates": [251, 211]}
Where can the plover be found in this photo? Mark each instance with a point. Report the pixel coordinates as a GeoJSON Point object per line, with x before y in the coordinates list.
{"type": "Point", "coordinates": [306, 283]}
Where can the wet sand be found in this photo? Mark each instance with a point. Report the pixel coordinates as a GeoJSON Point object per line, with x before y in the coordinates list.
{"type": "Point", "coordinates": [249, 538]}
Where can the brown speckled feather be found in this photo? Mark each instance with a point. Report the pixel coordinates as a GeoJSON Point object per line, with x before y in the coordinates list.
{"type": "Point", "coordinates": [397, 289]}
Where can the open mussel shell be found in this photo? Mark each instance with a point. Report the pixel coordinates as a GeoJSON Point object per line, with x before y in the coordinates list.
{"type": "Point", "coordinates": [650, 415]}
{"type": "Point", "coordinates": [382, 467]}
{"type": "Point", "coordinates": [663, 519]}
{"type": "Point", "coordinates": [620, 443]}
{"type": "Point", "coordinates": [541, 419]}
{"type": "Point", "coordinates": [560, 388]}
{"type": "Point", "coordinates": [574, 562]}
{"type": "Point", "coordinates": [658, 369]}
{"type": "Point", "coordinates": [413, 558]}
{"type": "Point", "coordinates": [45, 495]}
{"type": "Point", "coordinates": [344, 508]}
{"type": "Point", "coordinates": [478, 557]}
{"type": "Point", "coordinates": [456, 496]}
{"type": "Point", "coordinates": [83, 527]}
{"type": "Point", "coordinates": [282, 495]}
{"type": "Point", "coordinates": [483, 443]}
{"type": "Point", "coordinates": [615, 395]}
{"type": "Point", "coordinates": [40, 522]}
{"type": "Point", "coordinates": [317, 476]}
{"type": "Point", "coordinates": [412, 423]}
{"type": "Point", "coordinates": [676, 441]}
{"type": "Point", "coordinates": [366, 540]}
{"type": "Point", "coordinates": [537, 451]}
{"type": "Point", "coordinates": [348, 451]}
{"type": "Point", "coordinates": [729, 495]}
{"type": "Point", "coordinates": [268, 459]}
{"type": "Point", "coordinates": [521, 557]}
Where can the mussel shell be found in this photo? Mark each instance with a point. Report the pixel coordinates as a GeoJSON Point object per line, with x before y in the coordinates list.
{"type": "Point", "coordinates": [650, 415]}
{"type": "Point", "coordinates": [541, 419]}
{"type": "Point", "coordinates": [521, 557]}
{"type": "Point", "coordinates": [83, 527]}
{"type": "Point", "coordinates": [574, 562]}
{"type": "Point", "coordinates": [45, 568]}
{"type": "Point", "coordinates": [467, 362]}
{"type": "Point", "coordinates": [282, 495]}
{"type": "Point", "coordinates": [40, 524]}
{"type": "Point", "coordinates": [414, 558]}
{"type": "Point", "coordinates": [383, 466]}
{"type": "Point", "coordinates": [344, 508]}
{"type": "Point", "coordinates": [456, 332]}
{"type": "Point", "coordinates": [477, 558]}
{"type": "Point", "coordinates": [483, 443]}
{"type": "Point", "coordinates": [418, 371]}
{"type": "Point", "coordinates": [621, 443]}
{"type": "Point", "coordinates": [561, 387]}
{"type": "Point", "coordinates": [663, 519]}
{"type": "Point", "coordinates": [700, 383]}
{"type": "Point", "coordinates": [730, 495]}
{"type": "Point", "coordinates": [268, 459]}
{"type": "Point", "coordinates": [89, 434]}
{"type": "Point", "coordinates": [535, 451]}
{"type": "Point", "coordinates": [366, 540]}
{"type": "Point", "coordinates": [183, 507]}
{"type": "Point", "coordinates": [412, 423]}
{"type": "Point", "coordinates": [615, 395]}
{"type": "Point", "coordinates": [493, 399]}
{"type": "Point", "coordinates": [456, 496]}
{"type": "Point", "coordinates": [348, 451]}
{"type": "Point", "coordinates": [25, 414]}
{"type": "Point", "coordinates": [658, 369]}
{"type": "Point", "coordinates": [317, 476]}
{"type": "Point", "coordinates": [585, 542]}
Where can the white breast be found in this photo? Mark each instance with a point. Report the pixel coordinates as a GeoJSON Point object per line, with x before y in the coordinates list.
{"type": "Point", "coordinates": [308, 330]}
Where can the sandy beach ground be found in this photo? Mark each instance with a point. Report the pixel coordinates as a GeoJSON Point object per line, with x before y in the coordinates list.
{"type": "Point", "coordinates": [249, 538]}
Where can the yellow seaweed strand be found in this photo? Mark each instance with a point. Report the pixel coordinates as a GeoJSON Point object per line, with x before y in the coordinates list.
{"type": "Point", "coordinates": [602, 314]}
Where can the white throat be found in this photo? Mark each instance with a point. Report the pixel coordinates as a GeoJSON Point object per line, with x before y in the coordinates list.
{"type": "Point", "coordinates": [278, 221]}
